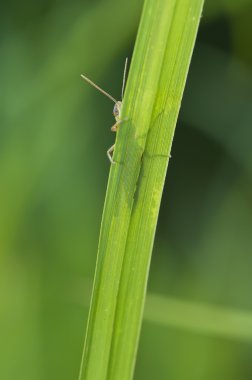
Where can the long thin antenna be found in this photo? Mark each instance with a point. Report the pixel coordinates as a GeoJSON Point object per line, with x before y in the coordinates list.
{"type": "Point", "coordinates": [98, 88]}
{"type": "Point", "coordinates": [124, 76]}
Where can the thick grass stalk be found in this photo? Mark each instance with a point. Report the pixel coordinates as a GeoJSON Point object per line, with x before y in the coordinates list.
{"type": "Point", "coordinates": [152, 100]}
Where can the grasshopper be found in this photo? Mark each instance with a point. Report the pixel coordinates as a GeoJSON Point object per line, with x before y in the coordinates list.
{"type": "Point", "coordinates": [116, 110]}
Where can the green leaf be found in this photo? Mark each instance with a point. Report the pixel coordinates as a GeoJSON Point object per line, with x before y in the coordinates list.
{"type": "Point", "coordinates": [212, 320]}
{"type": "Point", "coordinates": [152, 100]}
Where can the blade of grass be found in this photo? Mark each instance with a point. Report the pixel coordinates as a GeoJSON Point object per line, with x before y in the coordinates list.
{"type": "Point", "coordinates": [217, 321]}
{"type": "Point", "coordinates": [179, 43]}
{"type": "Point", "coordinates": [152, 99]}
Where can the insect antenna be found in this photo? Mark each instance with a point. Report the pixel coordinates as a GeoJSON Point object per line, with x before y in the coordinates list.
{"type": "Point", "coordinates": [98, 88]}
{"type": "Point", "coordinates": [124, 76]}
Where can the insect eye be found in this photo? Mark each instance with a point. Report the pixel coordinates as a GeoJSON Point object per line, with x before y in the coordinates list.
{"type": "Point", "coordinates": [115, 110]}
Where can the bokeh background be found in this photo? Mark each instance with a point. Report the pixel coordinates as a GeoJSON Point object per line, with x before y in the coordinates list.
{"type": "Point", "coordinates": [54, 133]}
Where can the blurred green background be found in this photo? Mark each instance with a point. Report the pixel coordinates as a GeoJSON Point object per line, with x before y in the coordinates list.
{"type": "Point", "coordinates": [54, 133]}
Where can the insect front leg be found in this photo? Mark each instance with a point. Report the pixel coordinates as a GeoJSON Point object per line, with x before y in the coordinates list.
{"type": "Point", "coordinates": [114, 127]}
{"type": "Point", "coordinates": [110, 152]}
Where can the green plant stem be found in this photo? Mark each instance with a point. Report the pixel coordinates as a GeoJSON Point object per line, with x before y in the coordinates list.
{"type": "Point", "coordinates": [152, 100]}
